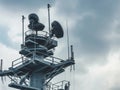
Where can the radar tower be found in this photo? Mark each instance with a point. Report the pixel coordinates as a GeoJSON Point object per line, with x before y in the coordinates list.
{"type": "Point", "coordinates": [37, 66]}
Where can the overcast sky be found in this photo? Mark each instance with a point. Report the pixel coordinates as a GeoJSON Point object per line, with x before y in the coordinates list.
{"type": "Point", "coordinates": [94, 29]}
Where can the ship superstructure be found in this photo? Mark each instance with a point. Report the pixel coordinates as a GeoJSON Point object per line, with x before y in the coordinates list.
{"type": "Point", "coordinates": [37, 66]}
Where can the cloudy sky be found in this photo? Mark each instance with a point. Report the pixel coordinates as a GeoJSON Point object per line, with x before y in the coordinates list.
{"type": "Point", "coordinates": [94, 29]}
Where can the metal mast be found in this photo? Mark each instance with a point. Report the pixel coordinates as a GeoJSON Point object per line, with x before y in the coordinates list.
{"type": "Point", "coordinates": [37, 67]}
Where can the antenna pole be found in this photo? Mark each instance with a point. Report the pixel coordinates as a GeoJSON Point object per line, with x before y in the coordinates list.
{"type": "Point", "coordinates": [49, 17]}
{"type": "Point", "coordinates": [1, 65]}
{"type": "Point", "coordinates": [67, 39]}
{"type": "Point", "coordinates": [72, 53]}
{"type": "Point", "coordinates": [23, 28]}
{"type": "Point", "coordinates": [72, 58]}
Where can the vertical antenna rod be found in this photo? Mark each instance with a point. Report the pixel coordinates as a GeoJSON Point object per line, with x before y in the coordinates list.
{"type": "Point", "coordinates": [49, 17]}
{"type": "Point", "coordinates": [72, 57]}
{"type": "Point", "coordinates": [1, 65]}
{"type": "Point", "coordinates": [67, 39]}
{"type": "Point", "coordinates": [23, 29]}
{"type": "Point", "coordinates": [72, 53]}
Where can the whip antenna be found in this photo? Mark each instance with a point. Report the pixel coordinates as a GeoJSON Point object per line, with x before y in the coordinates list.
{"type": "Point", "coordinates": [68, 39]}
{"type": "Point", "coordinates": [72, 57]}
{"type": "Point", "coordinates": [23, 29]}
{"type": "Point", "coordinates": [49, 17]}
{"type": "Point", "coordinates": [1, 65]}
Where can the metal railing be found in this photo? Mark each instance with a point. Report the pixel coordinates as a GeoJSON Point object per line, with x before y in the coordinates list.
{"type": "Point", "coordinates": [24, 59]}
{"type": "Point", "coordinates": [58, 86]}
{"type": "Point", "coordinates": [39, 33]}
{"type": "Point", "coordinates": [19, 61]}
{"type": "Point", "coordinates": [51, 59]}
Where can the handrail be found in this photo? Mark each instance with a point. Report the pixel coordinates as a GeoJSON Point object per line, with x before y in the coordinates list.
{"type": "Point", "coordinates": [45, 33]}
{"type": "Point", "coordinates": [22, 60]}
{"type": "Point", "coordinates": [61, 82]}
{"type": "Point", "coordinates": [51, 56]}
{"type": "Point", "coordinates": [19, 62]}
{"type": "Point", "coordinates": [58, 85]}
{"type": "Point", "coordinates": [52, 59]}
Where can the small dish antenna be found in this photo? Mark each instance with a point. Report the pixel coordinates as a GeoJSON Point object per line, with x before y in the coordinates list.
{"type": "Point", "coordinates": [57, 30]}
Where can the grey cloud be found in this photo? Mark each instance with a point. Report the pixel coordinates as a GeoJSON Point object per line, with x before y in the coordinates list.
{"type": "Point", "coordinates": [92, 32]}
{"type": "Point", "coordinates": [89, 33]}
{"type": "Point", "coordinates": [5, 39]}
{"type": "Point", "coordinates": [80, 6]}
{"type": "Point", "coordinates": [24, 5]}
{"type": "Point", "coordinates": [115, 88]}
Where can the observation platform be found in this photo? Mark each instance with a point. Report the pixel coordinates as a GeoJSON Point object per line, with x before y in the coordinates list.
{"type": "Point", "coordinates": [21, 67]}
{"type": "Point", "coordinates": [56, 86]}
{"type": "Point", "coordinates": [39, 43]}
{"type": "Point", "coordinates": [41, 38]}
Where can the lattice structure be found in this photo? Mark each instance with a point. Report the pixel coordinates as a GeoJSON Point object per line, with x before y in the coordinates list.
{"type": "Point", "coordinates": [37, 66]}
